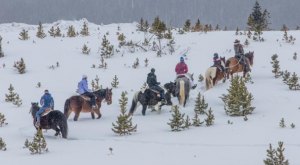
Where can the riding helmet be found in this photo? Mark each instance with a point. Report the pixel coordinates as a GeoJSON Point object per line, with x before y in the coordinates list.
{"type": "Point", "coordinates": [181, 59]}
{"type": "Point", "coordinates": [237, 41]}
{"type": "Point", "coordinates": [84, 76]}
{"type": "Point", "coordinates": [153, 70]}
{"type": "Point", "coordinates": [216, 55]}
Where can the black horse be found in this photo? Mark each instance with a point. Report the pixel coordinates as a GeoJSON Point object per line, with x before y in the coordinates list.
{"type": "Point", "coordinates": [148, 97]}
{"type": "Point", "coordinates": [55, 120]}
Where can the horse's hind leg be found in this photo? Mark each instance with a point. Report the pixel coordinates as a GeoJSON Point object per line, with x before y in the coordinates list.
{"type": "Point", "coordinates": [57, 131]}
{"type": "Point", "coordinates": [76, 116]}
{"type": "Point", "coordinates": [93, 115]}
{"type": "Point", "coordinates": [144, 110]}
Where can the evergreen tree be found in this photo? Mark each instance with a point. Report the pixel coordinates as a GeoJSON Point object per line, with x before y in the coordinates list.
{"type": "Point", "coordinates": [170, 46]}
{"type": "Point", "coordinates": [146, 26]}
{"type": "Point", "coordinates": [237, 31]}
{"type": "Point", "coordinates": [294, 57]}
{"type": "Point", "coordinates": [246, 42]}
{"type": "Point", "coordinates": [85, 50]}
{"type": "Point", "coordinates": [24, 35]}
{"type": "Point", "coordinates": [198, 27]}
{"type": "Point", "coordinates": [17, 101]}
{"type": "Point", "coordinates": [276, 157]}
{"type": "Point", "coordinates": [38, 145]}
{"type": "Point", "coordinates": [258, 20]}
{"type": "Point", "coordinates": [57, 32]}
{"type": "Point", "coordinates": [282, 123]}
{"type": "Point", "coordinates": [2, 145]}
{"type": "Point", "coordinates": [1, 52]}
{"type": "Point", "coordinates": [196, 120]}
{"type": "Point", "coordinates": [249, 34]}
{"type": "Point", "coordinates": [292, 82]}
{"type": "Point", "coordinates": [146, 62]}
{"type": "Point", "coordinates": [187, 25]}
{"type": "Point", "coordinates": [275, 65]}
{"type": "Point", "coordinates": [10, 97]}
{"type": "Point", "coordinates": [124, 124]}
{"type": "Point", "coordinates": [293, 125]}
{"type": "Point", "coordinates": [187, 122]}
{"type": "Point", "coordinates": [71, 31]}
{"type": "Point", "coordinates": [136, 63]}
{"type": "Point", "coordinates": [284, 28]}
{"type": "Point", "coordinates": [2, 120]}
{"type": "Point", "coordinates": [200, 78]}
{"type": "Point", "coordinates": [286, 76]}
{"type": "Point", "coordinates": [177, 121]}
{"type": "Point", "coordinates": [169, 35]}
{"type": "Point", "coordinates": [85, 30]}
{"type": "Point", "coordinates": [106, 49]}
{"type": "Point", "coordinates": [238, 100]}
{"type": "Point", "coordinates": [200, 104]}
{"type": "Point", "coordinates": [158, 26]}
{"type": "Point", "coordinates": [121, 39]}
{"type": "Point", "coordinates": [217, 27]}
{"type": "Point", "coordinates": [20, 65]}
{"type": "Point", "coordinates": [115, 82]}
{"type": "Point", "coordinates": [210, 118]}
{"type": "Point", "coordinates": [52, 32]}
{"type": "Point", "coordinates": [140, 25]}
{"type": "Point", "coordinates": [40, 33]}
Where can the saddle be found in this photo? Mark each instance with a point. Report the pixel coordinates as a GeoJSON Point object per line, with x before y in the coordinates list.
{"type": "Point", "coordinates": [48, 110]}
{"type": "Point", "coordinates": [86, 98]}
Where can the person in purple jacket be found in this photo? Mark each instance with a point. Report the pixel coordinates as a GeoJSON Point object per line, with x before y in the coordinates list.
{"type": "Point", "coordinates": [84, 90]}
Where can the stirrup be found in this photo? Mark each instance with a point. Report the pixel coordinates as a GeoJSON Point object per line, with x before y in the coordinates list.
{"type": "Point", "coordinates": [194, 86]}
{"type": "Point", "coordinates": [37, 124]}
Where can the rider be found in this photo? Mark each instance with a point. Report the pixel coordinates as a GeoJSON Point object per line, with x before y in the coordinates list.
{"type": "Point", "coordinates": [239, 54]}
{"type": "Point", "coordinates": [84, 90]}
{"type": "Point", "coordinates": [46, 102]}
{"type": "Point", "coordinates": [153, 84]}
{"type": "Point", "coordinates": [217, 62]}
{"type": "Point", "coordinates": [181, 69]}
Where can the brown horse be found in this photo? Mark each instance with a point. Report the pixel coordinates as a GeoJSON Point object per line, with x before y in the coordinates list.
{"type": "Point", "coordinates": [215, 74]}
{"type": "Point", "coordinates": [79, 104]}
{"type": "Point", "coordinates": [233, 64]}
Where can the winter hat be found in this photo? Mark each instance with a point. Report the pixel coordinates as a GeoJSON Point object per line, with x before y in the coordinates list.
{"type": "Point", "coordinates": [84, 76]}
{"type": "Point", "coordinates": [237, 41]}
{"type": "Point", "coordinates": [153, 70]}
{"type": "Point", "coordinates": [216, 55]}
{"type": "Point", "coordinates": [181, 59]}
{"type": "Point", "coordinates": [46, 91]}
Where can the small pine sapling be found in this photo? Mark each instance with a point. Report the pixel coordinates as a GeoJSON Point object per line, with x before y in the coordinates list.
{"type": "Point", "coordinates": [85, 30]}
{"type": "Point", "coordinates": [136, 63]}
{"type": "Point", "coordinates": [237, 31]}
{"type": "Point", "coordinates": [38, 85]}
{"type": "Point", "coordinates": [187, 122]}
{"type": "Point", "coordinates": [286, 76]}
{"type": "Point", "coordinates": [17, 101]}
{"type": "Point", "coordinates": [115, 82]}
{"type": "Point", "coordinates": [276, 157]}
{"type": "Point", "coordinates": [71, 31]}
{"type": "Point", "coordinates": [85, 50]}
{"type": "Point", "coordinates": [229, 122]}
{"type": "Point", "coordinates": [246, 42]}
{"type": "Point", "coordinates": [123, 124]}
{"type": "Point", "coordinates": [38, 145]}
{"type": "Point", "coordinates": [248, 78]}
{"type": "Point", "coordinates": [177, 121]}
{"type": "Point", "coordinates": [245, 118]}
{"type": "Point", "coordinates": [1, 52]}
{"type": "Point", "coordinates": [275, 65]}
{"type": "Point", "coordinates": [200, 78]}
{"type": "Point", "coordinates": [282, 123]}
{"type": "Point", "coordinates": [40, 33]}
{"type": "Point", "coordinates": [2, 120]}
{"type": "Point", "coordinates": [2, 145]}
{"type": "Point", "coordinates": [200, 104]}
{"type": "Point", "coordinates": [294, 57]}
{"type": "Point", "coordinates": [52, 32]}
{"type": "Point", "coordinates": [58, 32]}
{"type": "Point", "coordinates": [146, 62]}
{"type": "Point", "coordinates": [10, 97]}
{"type": "Point", "coordinates": [293, 83]}
{"type": "Point", "coordinates": [121, 39]}
{"type": "Point", "coordinates": [106, 48]}
{"type": "Point", "coordinates": [210, 118]}
{"type": "Point", "coordinates": [21, 66]}
{"type": "Point", "coordinates": [95, 84]}
{"type": "Point", "coordinates": [196, 120]}
{"type": "Point", "coordinates": [24, 35]}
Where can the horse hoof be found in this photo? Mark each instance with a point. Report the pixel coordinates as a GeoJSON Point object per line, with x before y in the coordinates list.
{"type": "Point", "coordinates": [99, 116]}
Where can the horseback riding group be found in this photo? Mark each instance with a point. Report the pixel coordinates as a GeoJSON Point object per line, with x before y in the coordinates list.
{"type": "Point", "coordinates": [152, 94]}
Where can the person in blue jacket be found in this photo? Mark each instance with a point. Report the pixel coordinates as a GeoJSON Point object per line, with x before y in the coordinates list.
{"type": "Point", "coordinates": [46, 102]}
{"type": "Point", "coordinates": [84, 90]}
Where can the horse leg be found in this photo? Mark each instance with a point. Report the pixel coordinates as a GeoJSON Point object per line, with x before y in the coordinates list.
{"type": "Point", "coordinates": [144, 110]}
{"type": "Point", "coordinates": [76, 116]}
{"type": "Point", "coordinates": [98, 113]}
{"type": "Point", "coordinates": [93, 114]}
{"type": "Point", "coordinates": [68, 114]}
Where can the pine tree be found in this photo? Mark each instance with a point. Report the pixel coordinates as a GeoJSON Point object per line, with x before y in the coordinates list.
{"type": "Point", "coordinates": [40, 33]}
{"type": "Point", "coordinates": [2, 145]}
{"type": "Point", "coordinates": [146, 26]}
{"type": "Point", "coordinates": [276, 157]}
{"type": "Point", "coordinates": [52, 32]}
{"type": "Point", "coordinates": [106, 49]}
{"type": "Point", "coordinates": [170, 46]}
{"type": "Point", "coordinates": [124, 124]}
{"type": "Point", "coordinates": [187, 122]}
{"type": "Point", "coordinates": [146, 62]}
{"type": "Point", "coordinates": [294, 57]}
{"type": "Point", "coordinates": [275, 65]}
{"type": "Point", "coordinates": [10, 97]}
{"type": "Point", "coordinates": [238, 100]}
{"type": "Point", "coordinates": [177, 121]}
{"type": "Point", "coordinates": [258, 20]}
{"type": "Point", "coordinates": [286, 76]}
{"type": "Point", "coordinates": [24, 35]}
{"type": "Point", "coordinates": [20, 65]}
{"type": "Point", "coordinates": [57, 32]}
{"type": "Point", "coordinates": [237, 31]}
{"type": "Point", "coordinates": [196, 120]}
{"type": "Point", "coordinates": [198, 27]}
{"type": "Point", "coordinates": [217, 27]}
{"type": "Point", "coordinates": [200, 104]}
{"type": "Point", "coordinates": [136, 63]}
{"type": "Point", "coordinates": [140, 25]}
{"type": "Point", "coordinates": [187, 25]}
{"type": "Point", "coordinates": [293, 125]}
{"type": "Point", "coordinates": [1, 52]}
{"type": "Point", "coordinates": [85, 50]}
{"type": "Point", "coordinates": [17, 101]}
{"type": "Point", "coordinates": [210, 118]}
{"type": "Point", "coordinates": [115, 82]}
{"type": "Point", "coordinates": [2, 120]}
{"type": "Point", "coordinates": [169, 35]}
{"type": "Point", "coordinates": [246, 42]}
{"type": "Point", "coordinates": [293, 83]}
{"type": "Point", "coordinates": [121, 39]}
{"type": "Point", "coordinates": [95, 84]}
{"type": "Point", "coordinates": [38, 145]}
{"type": "Point", "coordinates": [281, 123]}
{"type": "Point", "coordinates": [71, 31]}
{"type": "Point", "coordinates": [85, 30]}
{"type": "Point", "coordinates": [249, 34]}
{"type": "Point", "coordinates": [158, 26]}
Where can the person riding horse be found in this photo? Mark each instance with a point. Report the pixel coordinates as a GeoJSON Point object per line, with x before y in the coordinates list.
{"type": "Point", "coordinates": [240, 55]}
{"type": "Point", "coordinates": [153, 84]}
{"type": "Point", "coordinates": [46, 102]}
{"type": "Point", "coordinates": [85, 91]}
{"type": "Point", "coordinates": [217, 62]}
{"type": "Point", "coordinates": [181, 69]}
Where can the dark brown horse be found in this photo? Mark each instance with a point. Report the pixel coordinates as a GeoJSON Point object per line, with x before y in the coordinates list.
{"type": "Point", "coordinates": [79, 104]}
{"type": "Point", "coordinates": [233, 64]}
{"type": "Point", "coordinates": [215, 74]}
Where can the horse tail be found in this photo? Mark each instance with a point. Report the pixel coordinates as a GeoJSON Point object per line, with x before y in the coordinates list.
{"type": "Point", "coordinates": [181, 92]}
{"type": "Point", "coordinates": [208, 78]}
{"type": "Point", "coordinates": [66, 108]}
{"type": "Point", "coordinates": [63, 125]}
{"type": "Point", "coordinates": [134, 103]}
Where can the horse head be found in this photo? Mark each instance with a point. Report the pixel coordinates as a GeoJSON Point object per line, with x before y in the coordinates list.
{"type": "Point", "coordinates": [104, 94]}
{"type": "Point", "coordinates": [34, 108]}
{"type": "Point", "coordinates": [170, 87]}
{"type": "Point", "coordinates": [190, 76]}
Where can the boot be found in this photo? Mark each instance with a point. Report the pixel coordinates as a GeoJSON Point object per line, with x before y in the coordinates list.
{"type": "Point", "coordinates": [37, 124]}
{"type": "Point", "coordinates": [194, 86]}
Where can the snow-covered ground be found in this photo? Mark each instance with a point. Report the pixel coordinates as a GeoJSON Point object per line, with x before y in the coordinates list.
{"type": "Point", "coordinates": [243, 142]}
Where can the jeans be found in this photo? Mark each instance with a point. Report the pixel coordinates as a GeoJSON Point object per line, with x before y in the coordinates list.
{"type": "Point", "coordinates": [39, 112]}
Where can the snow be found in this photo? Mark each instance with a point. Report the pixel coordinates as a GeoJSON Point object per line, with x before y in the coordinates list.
{"type": "Point", "coordinates": [243, 142]}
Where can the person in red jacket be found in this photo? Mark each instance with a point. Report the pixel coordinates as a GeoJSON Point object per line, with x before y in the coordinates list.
{"type": "Point", "coordinates": [181, 69]}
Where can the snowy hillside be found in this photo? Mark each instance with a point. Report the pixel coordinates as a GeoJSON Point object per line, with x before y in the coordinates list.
{"type": "Point", "coordinates": [243, 142]}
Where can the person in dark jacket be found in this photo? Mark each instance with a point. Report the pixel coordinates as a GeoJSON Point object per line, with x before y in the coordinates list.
{"type": "Point", "coordinates": [217, 62]}
{"type": "Point", "coordinates": [240, 55]}
{"type": "Point", "coordinates": [153, 84]}
{"type": "Point", "coordinates": [46, 102]}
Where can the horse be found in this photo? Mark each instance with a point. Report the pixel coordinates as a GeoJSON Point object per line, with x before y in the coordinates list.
{"type": "Point", "coordinates": [147, 97]}
{"type": "Point", "coordinates": [80, 103]}
{"type": "Point", "coordinates": [55, 120]}
{"type": "Point", "coordinates": [179, 89]}
{"type": "Point", "coordinates": [233, 66]}
{"type": "Point", "coordinates": [214, 74]}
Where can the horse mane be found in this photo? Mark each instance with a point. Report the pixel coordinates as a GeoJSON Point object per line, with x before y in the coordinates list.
{"type": "Point", "coordinates": [100, 92]}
